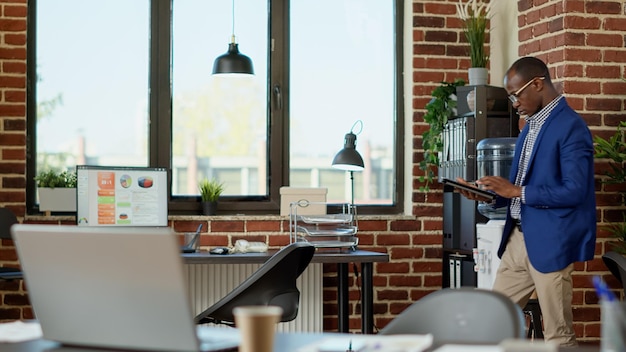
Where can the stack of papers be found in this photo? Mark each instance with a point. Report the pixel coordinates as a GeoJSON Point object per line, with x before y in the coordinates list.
{"type": "Point", "coordinates": [19, 331]}
{"type": "Point", "coordinates": [369, 343]}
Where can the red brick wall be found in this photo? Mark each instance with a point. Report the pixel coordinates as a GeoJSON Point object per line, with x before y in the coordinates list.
{"type": "Point", "coordinates": [583, 42]}
{"type": "Point", "coordinates": [12, 141]}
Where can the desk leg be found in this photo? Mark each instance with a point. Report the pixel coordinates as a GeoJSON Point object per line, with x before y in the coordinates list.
{"type": "Point", "coordinates": [367, 304]}
{"type": "Point", "coordinates": [343, 297]}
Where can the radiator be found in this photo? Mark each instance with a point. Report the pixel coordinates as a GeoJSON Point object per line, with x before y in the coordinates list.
{"type": "Point", "coordinates": [210, 282]}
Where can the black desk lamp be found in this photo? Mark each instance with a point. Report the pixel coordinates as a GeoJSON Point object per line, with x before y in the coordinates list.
{"type": "Point", "coordinates": [348, 158]}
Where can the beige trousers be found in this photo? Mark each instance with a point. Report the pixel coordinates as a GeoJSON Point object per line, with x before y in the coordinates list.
{"type": "Point", "coordinates": [517, 279]}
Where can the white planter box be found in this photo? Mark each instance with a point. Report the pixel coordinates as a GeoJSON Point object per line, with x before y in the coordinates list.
{"type": "Point", "coordinates": [57, 199]}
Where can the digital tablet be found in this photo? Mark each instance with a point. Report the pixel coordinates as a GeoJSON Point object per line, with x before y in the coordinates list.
{"type": "Point", "coordinates": [477, 191]}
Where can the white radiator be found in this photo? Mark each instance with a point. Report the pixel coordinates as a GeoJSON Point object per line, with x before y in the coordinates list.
{"type": "Point", "coordinates": [210, 282]}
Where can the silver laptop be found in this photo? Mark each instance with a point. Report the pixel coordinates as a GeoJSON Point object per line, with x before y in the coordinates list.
{"type": "Point", "coordinates": [112, 288]}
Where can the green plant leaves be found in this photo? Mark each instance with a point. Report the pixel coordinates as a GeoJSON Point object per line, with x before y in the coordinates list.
{"type": "Point", "coordinates": [53, 179]}
{"type": "Point", "coordinates": [438, 111]}
{"type": "Point", "coordinates": [614, 149]}
{"type": "Point", "coordinates": [210, 190]}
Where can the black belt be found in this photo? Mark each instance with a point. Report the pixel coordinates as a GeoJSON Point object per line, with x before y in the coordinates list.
{"type": "Point", "coordinates": [518, 224]}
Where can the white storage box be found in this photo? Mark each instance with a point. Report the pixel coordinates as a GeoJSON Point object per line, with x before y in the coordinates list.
{"type": "Point", "coordinates": [290, 195]}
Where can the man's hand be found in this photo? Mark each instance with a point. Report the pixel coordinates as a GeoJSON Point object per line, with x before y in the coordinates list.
{"type": "Point", "coordinates": [469, 195]}
{"type": "Point", "coordinates": [500, 185]}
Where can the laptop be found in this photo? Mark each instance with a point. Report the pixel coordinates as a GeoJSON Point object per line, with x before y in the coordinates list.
{"type": "Point", "coordinates": [112, 287]}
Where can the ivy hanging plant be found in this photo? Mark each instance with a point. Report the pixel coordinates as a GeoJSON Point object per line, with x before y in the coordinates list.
{"type": "Point", "coordinates": [438, 111]}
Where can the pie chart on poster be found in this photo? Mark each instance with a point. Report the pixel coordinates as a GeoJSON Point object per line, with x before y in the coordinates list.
{"type": "Point", "coordinates": [126, 181]}
{"type": "Point", "coordinates": [145, 182]}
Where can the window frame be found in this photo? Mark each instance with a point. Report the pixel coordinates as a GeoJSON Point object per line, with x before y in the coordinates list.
{"type": "Point", "coordinates": [160, 114]}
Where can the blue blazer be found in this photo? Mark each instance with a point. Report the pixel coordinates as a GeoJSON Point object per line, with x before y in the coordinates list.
{"type": "Point", "coordinates": [559, 216]}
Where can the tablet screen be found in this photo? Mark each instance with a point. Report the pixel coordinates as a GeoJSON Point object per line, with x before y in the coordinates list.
{"type": "Point", "coordinates": [474, 190]}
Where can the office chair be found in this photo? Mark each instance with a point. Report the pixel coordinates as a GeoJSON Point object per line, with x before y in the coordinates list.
{"type": "Point", "coordinates": [274, 283]}
{"type": "Point", "coordinates": [461, 315]}
{"type": "Point", "coordinates": [7, 219]}
{"type": "Point", "coordinates": [617, 265]}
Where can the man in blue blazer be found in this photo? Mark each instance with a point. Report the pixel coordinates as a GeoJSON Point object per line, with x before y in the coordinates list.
{"type": "Point", "coordinates": [551, 220]}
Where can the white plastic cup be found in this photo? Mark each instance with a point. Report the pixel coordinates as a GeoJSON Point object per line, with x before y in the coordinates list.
{"type": "Point", "coordinates": [257, 325]}
{"type": "Point", "coordinates": [613, 329]}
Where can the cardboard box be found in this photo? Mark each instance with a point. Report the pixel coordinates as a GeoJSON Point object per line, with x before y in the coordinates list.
{"type": "Point", "coordinates": [290, 195]}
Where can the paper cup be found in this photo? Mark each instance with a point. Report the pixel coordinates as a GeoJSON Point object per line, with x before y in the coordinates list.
{"type": "Point", "coordinates": [257, 325]}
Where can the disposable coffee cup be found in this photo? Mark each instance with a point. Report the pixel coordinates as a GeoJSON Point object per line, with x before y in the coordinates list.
{"type": "Point", "coordinates": [257, 325]}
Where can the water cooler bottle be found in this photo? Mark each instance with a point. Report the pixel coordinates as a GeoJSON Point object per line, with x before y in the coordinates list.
{"type": "Point", "coordinates": [494, 157]}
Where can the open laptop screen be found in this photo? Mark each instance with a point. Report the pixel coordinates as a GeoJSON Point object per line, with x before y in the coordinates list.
{"type": "Point", "coordinates": [121, 196]}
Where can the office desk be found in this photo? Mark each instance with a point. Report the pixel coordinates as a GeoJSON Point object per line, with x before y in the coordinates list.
{"type": "Point", "coordinates": [284, 342]}
{"type": "Point", "coordinates": [332, 256]}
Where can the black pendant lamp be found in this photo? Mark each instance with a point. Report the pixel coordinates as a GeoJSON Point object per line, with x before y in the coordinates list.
{"type": "Point", "coordinates": [233, 62]}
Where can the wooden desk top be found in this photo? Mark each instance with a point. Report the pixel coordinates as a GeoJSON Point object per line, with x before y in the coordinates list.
{"type": "Point", "coordinates": [321, 256]}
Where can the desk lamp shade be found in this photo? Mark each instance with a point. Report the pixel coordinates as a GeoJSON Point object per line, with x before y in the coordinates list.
{"type": "Point", "coordinates": [233, 62]}
{"type": "Point", "coordinates": [348, 158]}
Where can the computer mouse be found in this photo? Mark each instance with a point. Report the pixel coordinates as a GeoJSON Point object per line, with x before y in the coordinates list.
{"type": "Point", "coordinates": [219, 250]}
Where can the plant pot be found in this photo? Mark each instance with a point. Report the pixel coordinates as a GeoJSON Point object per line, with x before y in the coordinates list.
{"type": "Point", "coordinates": [57, 199]}
{"type": "Point", "coordinates": [209, 208]}
{"type": "Point", "coordinates": [477, 76]}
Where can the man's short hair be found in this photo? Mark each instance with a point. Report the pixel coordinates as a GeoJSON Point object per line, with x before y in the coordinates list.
{"type": "Point", "coordinates": [530, 67]}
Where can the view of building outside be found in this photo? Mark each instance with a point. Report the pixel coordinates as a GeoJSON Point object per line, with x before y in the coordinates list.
{"type": "Point", "coordinates": [93, 91]}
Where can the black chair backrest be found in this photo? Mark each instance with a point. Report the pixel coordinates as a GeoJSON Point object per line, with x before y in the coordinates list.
{"type": "Point", "coordinates": [274, 283]}
{"type": "Point", "coordinates": [461, 315]}
{"type": "Point", "coordinates": [7, 219]}
{"type": "Point", "coordinates": [616, 263]}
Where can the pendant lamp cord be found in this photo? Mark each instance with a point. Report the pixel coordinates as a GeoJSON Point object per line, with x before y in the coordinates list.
{"type": "Point", "coordinates": [233, 24]}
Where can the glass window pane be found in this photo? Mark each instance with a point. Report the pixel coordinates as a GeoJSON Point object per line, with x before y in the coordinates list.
{"type": "Point", "coordinates": [92, 83]}
{"type": "Point", "coordinates": [219, 123]}
{"type": "Point", "coordinates": [342, 64]}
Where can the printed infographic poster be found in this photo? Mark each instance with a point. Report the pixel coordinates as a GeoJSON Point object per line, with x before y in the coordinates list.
{"type": "Point", "coordinates": [121, 197]}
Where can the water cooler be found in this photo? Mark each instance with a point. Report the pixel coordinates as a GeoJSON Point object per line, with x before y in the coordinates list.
{"type": "Point", "coordinates": [494, 157]}
{"type": "Point", "coordinates": [486, 259]}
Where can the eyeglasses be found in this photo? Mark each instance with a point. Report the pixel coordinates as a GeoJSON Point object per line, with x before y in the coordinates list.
{"type": "Point", "coordinates": [514, 96]}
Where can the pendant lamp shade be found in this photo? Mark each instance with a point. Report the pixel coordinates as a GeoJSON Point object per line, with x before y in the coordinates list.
{"type": "Point", "coordinates": [233, 61]}
{"type": "Point", "coordinates": [348, 158]}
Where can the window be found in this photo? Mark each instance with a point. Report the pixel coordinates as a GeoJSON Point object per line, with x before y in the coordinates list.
{"type": "Point", "coordinates": [133, 87]}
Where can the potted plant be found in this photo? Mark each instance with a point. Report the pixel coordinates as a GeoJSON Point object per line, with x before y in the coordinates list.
{"type": "Point", "coordinates": [440, 108]}
{"type": "Point", "coordinates": [57, 191]}
{"type": "Point", "coordinates": [475, 16]}
{"type": "Point", "coordinates": [614, 149]}
{"type": "Point", "coordinates": [210, 191]}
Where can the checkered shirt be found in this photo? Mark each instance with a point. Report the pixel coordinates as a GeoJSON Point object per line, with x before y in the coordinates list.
{"type": "Point", "coordinates": [535, 123]}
